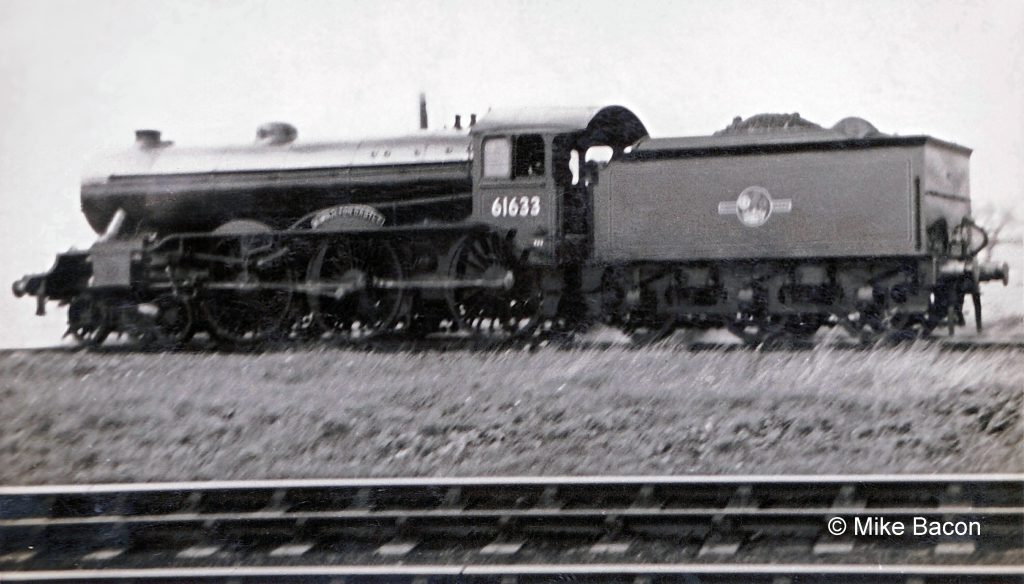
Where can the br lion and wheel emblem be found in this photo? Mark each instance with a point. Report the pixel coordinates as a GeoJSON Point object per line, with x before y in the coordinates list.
{"type": "Point", "coordinates": [754, 206]}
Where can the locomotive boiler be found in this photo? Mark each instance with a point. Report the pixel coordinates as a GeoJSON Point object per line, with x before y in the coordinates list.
{"type": "Point", "coordinates": [530, 222]}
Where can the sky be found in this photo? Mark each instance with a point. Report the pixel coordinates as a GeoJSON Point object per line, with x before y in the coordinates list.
{"type": "Point", "coordinates": [80, 76]}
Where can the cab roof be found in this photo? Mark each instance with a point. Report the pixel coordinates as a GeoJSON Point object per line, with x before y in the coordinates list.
{"type": "Point", "coordinates": [613, 125]}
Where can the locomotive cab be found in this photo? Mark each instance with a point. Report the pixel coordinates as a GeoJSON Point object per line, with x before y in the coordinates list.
{"type": "Point", "coordinates": [514, 186]}
{"type": "Point", "coordinates": [530, 179]}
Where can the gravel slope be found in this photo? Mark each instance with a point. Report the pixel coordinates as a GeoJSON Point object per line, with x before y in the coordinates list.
{"type": "Point", "coordinates": [85, 417]}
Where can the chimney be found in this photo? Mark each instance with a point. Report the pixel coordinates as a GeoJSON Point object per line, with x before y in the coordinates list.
{"type": "Point", "coordinates": [458, 122]}
{"type": "Point", "coordinates": [423, 111]}
{"type": "Point", "coordinates": [146, 139]}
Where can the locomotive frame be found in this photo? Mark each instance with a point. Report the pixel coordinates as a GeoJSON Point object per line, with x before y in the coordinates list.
{"type": "Point", "coordinates": [508, 231]}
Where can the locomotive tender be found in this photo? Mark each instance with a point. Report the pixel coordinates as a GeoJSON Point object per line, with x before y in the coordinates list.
{"type": "Point", "coordinates": [528, 221]}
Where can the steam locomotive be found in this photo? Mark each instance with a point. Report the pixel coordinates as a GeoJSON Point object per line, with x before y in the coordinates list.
{"type": "Point", "coordinates": [530, 222]}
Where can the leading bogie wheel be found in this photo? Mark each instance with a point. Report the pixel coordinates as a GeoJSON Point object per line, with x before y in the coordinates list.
{"type": "Point", "coordinates": [89, 321]}
{"type": "Point", "coordinates": [168, 322]}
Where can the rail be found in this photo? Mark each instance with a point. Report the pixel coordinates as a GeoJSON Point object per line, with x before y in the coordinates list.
{"type": "Point", "coordinates": [772, 529]}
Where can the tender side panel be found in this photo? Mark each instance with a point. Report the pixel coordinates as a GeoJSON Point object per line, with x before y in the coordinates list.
{"type": "Point", "coordinates": [840, 204]}
{"type": "Point", "coordinates": [945, 189]}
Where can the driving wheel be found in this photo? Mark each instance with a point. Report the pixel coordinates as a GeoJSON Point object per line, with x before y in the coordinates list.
{"type": "Point", "coordinates": [512, 309]}
{"type": "Point", "coordinates": [351, 300]}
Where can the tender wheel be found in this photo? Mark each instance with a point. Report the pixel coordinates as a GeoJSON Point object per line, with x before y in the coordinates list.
{"type": "Point", "coordinates": [237, 310]}
{"type": "Point", "coordinates": [645, 326]}
{"type": "Point", "coordinates": [946, 308]}
{"type": "Point", "coordinates": [358, 309]}
{"type": "Point", "coordinates": [789, 330]}
{"type": "Point", "coordinates": [89, 321]}
{"type": "Point", "coordinates": [907, 327]}
{"type": "Point", "coordinates": [634, 305]}
{"type": "Point", "coordinates": [800, 329]}
{"type": "Point", "coordinates": [756, 332]}
{"type": "Point", "coordinates": [510, 311]}
{"type": "Point", "coordinates": [648, 334]}
{"type": "Point", "coordinates": [877, 326]}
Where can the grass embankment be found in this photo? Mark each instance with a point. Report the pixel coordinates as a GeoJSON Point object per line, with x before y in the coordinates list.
{"type": "Point", "coordinates": [82, 417]}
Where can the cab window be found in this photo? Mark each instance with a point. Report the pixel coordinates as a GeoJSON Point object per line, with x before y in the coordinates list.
{"type": "Point", "coordinates": [497, 158]}
{"type": "Point", "coordinates": [529, 156]}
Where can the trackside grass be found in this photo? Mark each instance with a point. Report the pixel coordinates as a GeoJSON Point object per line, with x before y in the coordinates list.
{"type": "Point", "coordinates": [83, 417]}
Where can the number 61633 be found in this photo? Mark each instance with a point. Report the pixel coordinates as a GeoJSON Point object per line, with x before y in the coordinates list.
{"type": "Point", "coordinates": [516, 206]}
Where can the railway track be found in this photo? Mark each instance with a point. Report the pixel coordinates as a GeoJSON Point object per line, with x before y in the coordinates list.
{"type": "Point", "coordinates": [772, 529]}
{"type": "Point", "coordinates": [443, 343]}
